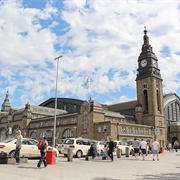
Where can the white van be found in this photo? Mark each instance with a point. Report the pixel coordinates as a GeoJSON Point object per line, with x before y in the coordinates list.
{"type": "Point", "coordinates": [80, 146]}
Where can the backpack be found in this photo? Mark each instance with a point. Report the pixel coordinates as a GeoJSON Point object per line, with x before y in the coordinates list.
{"type": "Point", "coordinates": [41, 145]}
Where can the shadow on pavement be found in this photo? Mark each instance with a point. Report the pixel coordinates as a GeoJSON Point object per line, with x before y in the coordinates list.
{"type": "Point", "coordinates": [27, 167]}
{"type": "Point", "coordinates": [163, 176]}
{"type": "Point", "coordinates": [104, 178]}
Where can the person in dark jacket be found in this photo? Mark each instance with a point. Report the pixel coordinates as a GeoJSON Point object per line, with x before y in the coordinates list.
{"type": "Point", "coordinates": [111, 146]}
{"type": "Point", "coordinates": [93, 151]}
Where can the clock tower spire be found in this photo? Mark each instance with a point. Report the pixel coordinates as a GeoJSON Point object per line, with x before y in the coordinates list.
{"type": "Point", "coordinates": [147, 60]}
{"type": "Point", "coordinates": [149, 90]}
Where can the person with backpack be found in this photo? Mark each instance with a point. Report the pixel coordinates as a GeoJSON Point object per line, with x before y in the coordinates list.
{"type": "Point", "coordinates": [42, 146]}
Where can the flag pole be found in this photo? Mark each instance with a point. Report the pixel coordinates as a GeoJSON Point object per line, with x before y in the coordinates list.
{"type": "Point", "coordinates": [90, 86]}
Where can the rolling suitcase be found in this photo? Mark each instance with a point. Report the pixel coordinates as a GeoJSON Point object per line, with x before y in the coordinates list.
{"type": "Point", "coordinates": [3, 158]}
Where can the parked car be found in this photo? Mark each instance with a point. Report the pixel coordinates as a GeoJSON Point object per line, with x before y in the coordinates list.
{"type": "Point", "coordinates": [29, 147]}
{"type": "Point", "coordinates": [122, 145]}
{"type": "Point", "coordinates": [80, 146]}
{"type": "Point", "coordinates": [59, 145]}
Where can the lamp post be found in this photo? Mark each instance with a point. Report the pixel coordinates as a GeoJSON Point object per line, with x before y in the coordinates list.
{"type": "Point", "coordinates": [55, 107]}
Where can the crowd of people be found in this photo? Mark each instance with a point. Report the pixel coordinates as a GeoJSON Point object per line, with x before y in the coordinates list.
{"type": "Point", "coordinates": [140, 148]}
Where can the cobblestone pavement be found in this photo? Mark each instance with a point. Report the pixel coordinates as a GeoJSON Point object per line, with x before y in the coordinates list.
{"type": "Point", "coordinates": [122, 168]}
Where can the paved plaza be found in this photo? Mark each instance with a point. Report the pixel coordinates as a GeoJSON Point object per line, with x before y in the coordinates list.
{"type": "Point", "coordinates": [122, 168]}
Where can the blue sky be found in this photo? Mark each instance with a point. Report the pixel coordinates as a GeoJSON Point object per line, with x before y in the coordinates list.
{"type": "Point", "coordinates": [101, 38]}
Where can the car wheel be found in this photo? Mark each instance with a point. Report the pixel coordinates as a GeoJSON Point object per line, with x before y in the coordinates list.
{"type": "Point", "coordinates": [12, 154]}
{"type": "Point", "coordinates": [65, 155]}
{"type": "Point", "coordinates": [79, 154]}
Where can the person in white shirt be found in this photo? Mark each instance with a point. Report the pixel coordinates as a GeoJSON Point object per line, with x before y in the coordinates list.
{"type": "Point", "coordinates": [143, 145]}
{"type": "Point", "coordinates": [156, 148]}
{"type": "Point", "coordinates": [19, 138]}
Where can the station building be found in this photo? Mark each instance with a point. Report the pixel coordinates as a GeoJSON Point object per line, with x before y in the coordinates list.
{"type": "Point", "coordinates": [152, 115]}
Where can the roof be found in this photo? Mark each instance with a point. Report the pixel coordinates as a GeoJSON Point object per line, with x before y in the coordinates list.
{"type": "Point", "coordinates": [77, 101]}
{"type": "Point", "coordinates": [96, 107]}
{"type": "Point", "coordinates": [123, 106]}
{"type": "Point", "coordinates": [113, 114]}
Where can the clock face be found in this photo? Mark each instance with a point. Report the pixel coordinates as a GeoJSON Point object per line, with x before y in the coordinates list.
{"type": "Point", "coordinates": [143, 62]}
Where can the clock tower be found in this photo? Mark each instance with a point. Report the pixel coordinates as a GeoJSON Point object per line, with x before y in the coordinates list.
{"type": "Point", "coordinates": [150, 109]}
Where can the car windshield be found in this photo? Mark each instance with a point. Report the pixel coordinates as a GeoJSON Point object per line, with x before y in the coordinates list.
{"type": "Point", "coordinates": [8, 140]}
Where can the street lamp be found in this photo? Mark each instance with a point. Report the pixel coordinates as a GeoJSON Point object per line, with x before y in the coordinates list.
{"type": "Point", "coordinates": [55, 107]}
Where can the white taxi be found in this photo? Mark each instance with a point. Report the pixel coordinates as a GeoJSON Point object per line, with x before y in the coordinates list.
{"type": "Point", "coordinates": [79, 146]}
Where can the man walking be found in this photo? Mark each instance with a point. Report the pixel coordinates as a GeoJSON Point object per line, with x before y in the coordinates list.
{"type": "Point", "coordinates": [176, 146]}
{"type": "Point", "coordinates": [156, 148]}
{"type": "Point", "coordinates": [143, 145]}
{"type": "Point", "coordinates": [111, 148]}
{"type": "Point", "coordinates": [19, 138]}
{"type": "Point", "coordinates": [43, 153]}
{"type": "Point", "coordinates": [136, 148]}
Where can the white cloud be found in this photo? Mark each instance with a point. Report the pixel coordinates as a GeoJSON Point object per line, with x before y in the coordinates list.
{"type": "Point", "coordinates": [102, 37]}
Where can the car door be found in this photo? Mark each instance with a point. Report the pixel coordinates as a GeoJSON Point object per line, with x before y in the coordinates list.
{"type": "Point", "coordinates": [122, 147]}
{"type": "Point", "coordinates": [25, 150]}
{"type": "Point", "coordinates": [86, 146]}
{"type": "Point", "coordinates": [34, 151]}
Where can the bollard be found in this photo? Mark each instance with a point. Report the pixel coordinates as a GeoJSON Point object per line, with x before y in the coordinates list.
{"type": "Point", "coordinates": [119, 153]}
{"type": "Point", "coordinates": [70, 155]}
{"type": "Point", "coordinates": [127, 151]}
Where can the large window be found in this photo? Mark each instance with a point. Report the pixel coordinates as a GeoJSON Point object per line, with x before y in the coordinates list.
{"type": "Point", "coordinates": [85, 121]}
{"type": "Point", "coordinates": [68, 134]}
{"type": "Point", "coordinates": [130, 130]}
{"type": "Point", "coordinates": [123, 130]}
{"type": "Point", "coordinates": [99, 128]}
{"type": "Point", "coordinates": [172, 111]}
{"type": "Point", "coordinates": [145, 99]}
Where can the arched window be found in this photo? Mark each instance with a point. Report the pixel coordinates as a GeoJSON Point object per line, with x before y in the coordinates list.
{"type": "Point", "coordinates": [173, 111]}
{"type": "Point", "coordinates": [15, 129]}
{"type": "Point", "coordinates": [158, 100]}
{"type": "Point", "coordinates": [145, 93]}
{"type": "Point", "coordinates": [33, 135]}
{"type": "Point", "coordinates": [68, 133]}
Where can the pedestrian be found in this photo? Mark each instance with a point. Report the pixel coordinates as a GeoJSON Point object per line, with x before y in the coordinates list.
{"type": "Point", "coordinates": [143, 145]}
{"type": "Point", "coordinates": [93, 151]}
{"type": "Point", "coordinates": [19, 138]}
{"type": "Point", "coordinates": [176, 146]}
{"type": "Point", "coordinates": [169, 147]}
{"type": "Point", "coordinates": [156, 148]}
{"type": "Point", "coordinates": [111, 146]}
{"type": "Point", "coordinates": [43, 153]}
{"type": "Point", "coordinates": [136, 145]}
{"type": "Point", "coordinates": [105, 151]}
